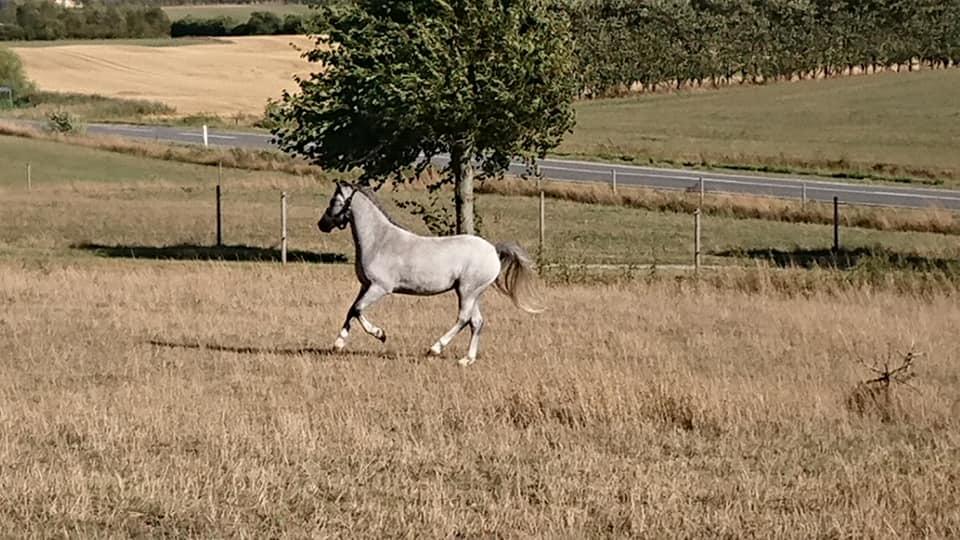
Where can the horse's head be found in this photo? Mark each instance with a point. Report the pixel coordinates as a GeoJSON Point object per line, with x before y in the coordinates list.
{"type": "Point", "coordinates": [338, 211]}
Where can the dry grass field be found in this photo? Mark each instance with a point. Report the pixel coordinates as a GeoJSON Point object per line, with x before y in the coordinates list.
{"type": "Point", "coordinates": [225, 77]}
{"type": "Point", "coordinates": [201, 399]}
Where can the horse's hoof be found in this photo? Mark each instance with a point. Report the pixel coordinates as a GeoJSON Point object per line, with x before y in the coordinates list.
{"type": "Point", "coordinates": [339, 344]}
{"type": "Point", "coordinates": [466, 361]}
{"type": "Point", "coordinates": [382, 336]}
{"type": "Point", "coordinates": [436, 350]}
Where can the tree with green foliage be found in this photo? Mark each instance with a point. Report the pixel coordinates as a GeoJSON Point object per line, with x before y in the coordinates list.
{"type": "Point", "coordinates": [46, 20]}
{"type": "Point", "coordinates": [683, 42]}
{"type": "Point", "coordinates": [482, 81]}
{"type": "Point", "coordinates": [12, 74]}
{"type": "Point", "coordinates": [263, 23]}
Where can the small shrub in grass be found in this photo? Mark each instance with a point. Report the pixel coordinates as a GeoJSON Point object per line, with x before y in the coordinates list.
{"type": "Point", "coordinates": [201, 119]}
{"type": "Point", "coordinates": [64, 123]}
{"type": "Point", "coordinates": [271, 118]}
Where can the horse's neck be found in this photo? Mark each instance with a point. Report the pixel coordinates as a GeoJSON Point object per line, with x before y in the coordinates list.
{"type": "Point", "coordinates": [369, 224]}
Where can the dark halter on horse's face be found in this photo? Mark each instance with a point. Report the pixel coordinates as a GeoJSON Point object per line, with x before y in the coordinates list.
{"type": "Point", "coordinates": [343, 217]}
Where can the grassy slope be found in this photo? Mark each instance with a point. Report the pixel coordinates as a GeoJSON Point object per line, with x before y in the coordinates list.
{"type": "Point", "coordinates": [909, 122]}
{"type": "Point", "coordinates": [83, 195]}
{"type": "Point", "coordinates": [239, 13]}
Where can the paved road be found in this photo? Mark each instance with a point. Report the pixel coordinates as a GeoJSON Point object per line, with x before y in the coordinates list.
{"type": "Point", "coordinates": [581, 171]}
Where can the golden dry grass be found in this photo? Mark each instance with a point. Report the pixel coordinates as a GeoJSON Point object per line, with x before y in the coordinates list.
{"type": "Point", "coordinates": [225, 77]}
{"type": "Point", "coordinates": [199, 399]}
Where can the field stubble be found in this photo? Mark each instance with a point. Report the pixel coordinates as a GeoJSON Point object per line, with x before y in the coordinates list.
{"type": "Point", "coordinates": [201, 398]}
{"type": "Point", "coordinates": [190, 78]}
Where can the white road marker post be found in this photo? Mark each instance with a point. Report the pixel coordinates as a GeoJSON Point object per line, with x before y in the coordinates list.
{"type": "Point", "coordinates": [206, 141]}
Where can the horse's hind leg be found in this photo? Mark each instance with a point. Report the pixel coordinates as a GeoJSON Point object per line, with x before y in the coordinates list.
{"type": "Point", "coordinates": [369, 294]}
{"type": "Point", "coordinates": [476, 325]}
{"type": "Point", "coordinates": [467, 304]}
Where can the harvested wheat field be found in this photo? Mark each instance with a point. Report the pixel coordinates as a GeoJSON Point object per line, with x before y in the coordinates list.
{"type": "Point", "coordinates": [229, 76]}
{"type": "Point", "coordinates": [201, 399]}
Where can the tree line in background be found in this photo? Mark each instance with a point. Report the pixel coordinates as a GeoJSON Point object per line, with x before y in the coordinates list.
{"type": "Point", "coordinates": [218, 2]}
{"type": "Point", "coordinates": [45, 20]}
{"type": "Point", "coordinates": [627, 45]}
{"type": "Point", "coordinates": [260, 23]}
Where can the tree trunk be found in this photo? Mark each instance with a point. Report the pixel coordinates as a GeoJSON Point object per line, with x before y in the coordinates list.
{"type": "Point", "coordinates": [462, 166]}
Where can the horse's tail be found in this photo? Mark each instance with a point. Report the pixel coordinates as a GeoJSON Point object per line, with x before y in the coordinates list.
{"type": "Point", "coordinates": [517, 272]}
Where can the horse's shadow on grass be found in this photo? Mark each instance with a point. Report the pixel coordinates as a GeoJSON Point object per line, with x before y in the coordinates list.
{"type": "Point", "coordinates": [193, 252]}
{"type": "Point", "coordinates": [281, 351]}
{"type": "Point", "coordinates": [846, 259]}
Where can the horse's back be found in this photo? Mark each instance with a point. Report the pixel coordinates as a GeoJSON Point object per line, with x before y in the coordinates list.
{"type": "Point", "coordinates": [437, 264]}
{"type": "Point", "coordinates": [471, 255]}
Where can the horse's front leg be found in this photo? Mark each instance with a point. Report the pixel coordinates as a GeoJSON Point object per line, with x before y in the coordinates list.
{"type": "Point", "coordinates": [369, 295]}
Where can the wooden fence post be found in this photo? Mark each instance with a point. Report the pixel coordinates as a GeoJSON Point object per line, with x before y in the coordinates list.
{"type": "Point", "coordinates": [541, 224]}
{"type": "Point", "coordinates": [836, 224]}
{"type": "Point", "coordinates": [283, 227]}
{"type": "Point", "coordinates": [803, 196]}
{"type": "Point", "coordinates": [701, 193]}
{"type": "Point", "coordinates": [219, 227]}
{"type": "Point", "coordinates": [29, 177]}
{"type": "Point", "coordinates": [696, 240]}
{"type": "Point", "coordinates": [219, 214]}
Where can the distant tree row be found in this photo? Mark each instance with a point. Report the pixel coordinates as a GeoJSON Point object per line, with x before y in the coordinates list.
{"type": "Point", "coordinates": [216, 2]}
{"type": "Point", "coordinates": [259, 23]}
{"type": "Point", "coordinates": [626, 45]}
{"type": "Point", "coordinates": [45, 20]}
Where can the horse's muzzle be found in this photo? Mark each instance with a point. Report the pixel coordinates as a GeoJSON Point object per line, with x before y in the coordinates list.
{"type": "Point", "coordinates": [325, 225]}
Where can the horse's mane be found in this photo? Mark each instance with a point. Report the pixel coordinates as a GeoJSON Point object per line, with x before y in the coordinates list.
{"type": "Point", "coordinates": [369, 194]}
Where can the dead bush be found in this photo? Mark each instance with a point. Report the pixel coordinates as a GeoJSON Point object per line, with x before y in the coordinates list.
{"type": "Point", "coordinates": [878, 397]}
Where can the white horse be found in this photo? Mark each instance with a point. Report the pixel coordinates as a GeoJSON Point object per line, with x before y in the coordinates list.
{"type": "Point", "coordinates": [391, 259]}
